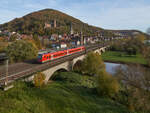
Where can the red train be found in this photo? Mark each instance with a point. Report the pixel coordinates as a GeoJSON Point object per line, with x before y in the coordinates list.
{"type": "Point", "coordinates": [51, 55]}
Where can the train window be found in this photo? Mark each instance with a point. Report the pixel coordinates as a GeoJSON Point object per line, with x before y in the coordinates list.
{"type": "Point", "coordinates": [39, 56]}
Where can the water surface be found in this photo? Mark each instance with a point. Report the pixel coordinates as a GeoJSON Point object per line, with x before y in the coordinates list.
{"type": "Point", "coordinates": [111, 67]}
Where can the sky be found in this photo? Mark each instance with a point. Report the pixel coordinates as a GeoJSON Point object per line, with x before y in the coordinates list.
{"type": "Point", "coordinates": [108, 14]}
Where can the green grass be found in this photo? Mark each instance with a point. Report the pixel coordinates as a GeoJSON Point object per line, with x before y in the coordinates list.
{"type": "Point", "coordinates": [69, 93]}
{"type": "Point", "coordinates": [115, 56]}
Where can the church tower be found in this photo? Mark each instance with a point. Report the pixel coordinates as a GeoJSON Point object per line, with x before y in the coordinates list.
{"type": "Point", "coordinates": [71, 29]}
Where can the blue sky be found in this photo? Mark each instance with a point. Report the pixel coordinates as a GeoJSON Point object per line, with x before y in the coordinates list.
{"type": "Point", "coordinates": [108, 14]}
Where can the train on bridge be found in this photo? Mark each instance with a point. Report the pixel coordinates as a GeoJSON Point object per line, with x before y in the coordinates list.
{"type": "Point", "coordinates": [50, 55]}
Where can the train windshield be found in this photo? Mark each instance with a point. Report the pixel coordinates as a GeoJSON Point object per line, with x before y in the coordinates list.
{"type": "Point", "coordinates": [40, 56]}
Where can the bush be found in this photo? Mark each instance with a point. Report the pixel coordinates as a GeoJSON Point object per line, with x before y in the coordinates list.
{"type": "Point", "coordinates": [107, 84]}
{"type": "Point", "coordinates": [39, 79]}
{"type": "Point", "coordinates": [63, 77]}
{"type": "Point", "coordinates": [138, 100]}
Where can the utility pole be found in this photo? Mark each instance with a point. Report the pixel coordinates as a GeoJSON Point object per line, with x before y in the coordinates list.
{"type": "Point", "coordinates": [6, 79]}
{"type": "Point", "coordinates": [71, 29]}
{"type": "Point", "coordinates": [81, 36]}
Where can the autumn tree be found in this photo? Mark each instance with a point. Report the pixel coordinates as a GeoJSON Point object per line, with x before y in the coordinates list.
{"type": "Point", "coordinates": [21, 50]}
{"type": "Point", "coordinates": [13, 37]}
{"type": "Point", "coordinates": [39, 80]}
{"type": "Point", "coordinates": [148, 31]}
{"type": "Point", "coordinates": [107, 85]}
{"type": "Point", "coordinates": [136, 82]}
{"type": "Point", "coordinates": [92, 64]}
{"type": "Point", "coordinates": [37, 41]}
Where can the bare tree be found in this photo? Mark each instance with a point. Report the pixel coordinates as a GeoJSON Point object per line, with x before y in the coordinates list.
{"type": "Point", "coordinates": [134, 75]}
{"type": "Point", "coordinates": [136, 80]}
{"type": "Point", "coordinates": [148, 31]}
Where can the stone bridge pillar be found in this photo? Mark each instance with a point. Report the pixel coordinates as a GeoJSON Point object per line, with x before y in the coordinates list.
{"type": "Point", "coordinates": [68, 66]}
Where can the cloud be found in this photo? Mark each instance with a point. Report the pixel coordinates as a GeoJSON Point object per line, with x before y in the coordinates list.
{"type": "Point", "coordinates": [136, 17]}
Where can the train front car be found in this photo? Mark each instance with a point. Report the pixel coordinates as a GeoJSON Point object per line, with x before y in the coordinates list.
{"type": "Point", "coordinates": [40, 58]}
{"type": "Point", "coordinates": [43, 56]}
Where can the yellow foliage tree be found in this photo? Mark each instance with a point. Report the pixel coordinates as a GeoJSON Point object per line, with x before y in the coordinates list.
{"type": "Point", "coordinates": [92, 64]}
{"type": "Point", "coordinates": [39, 80]}
{"type": "Point", "coordinates": [140, 37]}
{"type": "Point", "coordinates": [107, 85]}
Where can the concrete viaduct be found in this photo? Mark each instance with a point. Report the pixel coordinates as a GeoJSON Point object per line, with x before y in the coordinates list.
{"type": "Point", "coordinates": [68, 65]}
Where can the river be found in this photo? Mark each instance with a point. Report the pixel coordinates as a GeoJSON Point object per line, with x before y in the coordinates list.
{"type": "Point", "coordinates": [111, 67]}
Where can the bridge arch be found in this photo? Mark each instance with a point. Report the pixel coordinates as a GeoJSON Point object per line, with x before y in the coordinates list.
{"type": "Point", "coordinates": [78, 59]}
{"type": "Point", "coordinates": [77, 65]}
{"type": "Point", "coordinates": [55, 74]}
{"type": "Point", "coordinates": [49, 72]}
{"type": "Point", "coordinates": [98, 51]}
{"type": "Point", "coordinates": [102, 50]}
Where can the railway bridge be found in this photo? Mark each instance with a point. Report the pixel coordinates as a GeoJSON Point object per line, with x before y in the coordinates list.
{"type": "Point", "coordinates": [26, 70]}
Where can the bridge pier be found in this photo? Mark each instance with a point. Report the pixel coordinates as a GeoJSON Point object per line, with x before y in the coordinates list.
{"type": "Point", "coordinates": [100, 50]}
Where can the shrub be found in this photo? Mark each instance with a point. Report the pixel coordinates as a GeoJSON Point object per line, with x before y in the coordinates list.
{"type": "Point", "coordinates": [63, 76]}
{"type": "Point", "coordinates": [39, 79]}
{"type": "Point", "coordinates": [107, 85]}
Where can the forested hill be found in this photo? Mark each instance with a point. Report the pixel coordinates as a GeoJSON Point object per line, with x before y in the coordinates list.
{"type": "Point", "coordinates": [129, 32]}
{"type": "Point", "coordinates": [35, 23]}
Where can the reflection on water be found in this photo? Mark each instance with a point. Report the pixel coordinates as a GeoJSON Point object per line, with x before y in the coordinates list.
{"type": "Point", "coordinates": [110, 67]}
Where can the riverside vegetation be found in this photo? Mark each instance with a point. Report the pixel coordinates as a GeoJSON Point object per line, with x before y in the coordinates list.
{"type": "Point", "coordinates": [86, 90]}
{"type": "Point", "coordinates": [133, 50]}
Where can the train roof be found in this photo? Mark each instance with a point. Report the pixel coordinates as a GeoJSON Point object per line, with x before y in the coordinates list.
{"type": "Point", "coordinates": [55, 50]}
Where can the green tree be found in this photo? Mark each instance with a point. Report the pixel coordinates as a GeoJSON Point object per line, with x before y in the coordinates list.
{"type": "Point", "coordinates": [13, 38]}
{"type": "Point", "coordinates": [107, 85]}
{"type": "Point", "coordinates": [39, 80]}
{"type": "Point", "coordinates": [92, 64]}
{"type": "Point", "coordinates": [21, 50]}
{"type": "Point", "coordinates": [37, 41]}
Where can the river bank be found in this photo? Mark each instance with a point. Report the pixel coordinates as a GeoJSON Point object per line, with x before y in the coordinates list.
{"type": "Point", "coordinates": [123, 58]}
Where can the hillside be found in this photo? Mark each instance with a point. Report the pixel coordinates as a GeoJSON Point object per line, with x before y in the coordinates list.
{"type": "Point", "coordinates": [42, 23]}
{"type": "Point", "coordinates": [69, 93]}
{"type": "Point", "coordinates": [130, 33]}
{"type": "Point", "coordinates": [35, 23]}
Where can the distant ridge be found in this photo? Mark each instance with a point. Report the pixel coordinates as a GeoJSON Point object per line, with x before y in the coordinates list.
{"type": "Point", "coordinates": [43, 23]}
{"type": "Point", "coordinates": [35, 23]}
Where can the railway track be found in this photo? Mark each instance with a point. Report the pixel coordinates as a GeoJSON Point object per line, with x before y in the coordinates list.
{"type": "Point", "coordinates": [20, 70]}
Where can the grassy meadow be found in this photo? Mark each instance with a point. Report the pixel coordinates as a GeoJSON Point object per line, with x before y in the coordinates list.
{"type": "Point", "coordinates": [68, 93]}
{"type": "Point", "coordinates": [122, 57]}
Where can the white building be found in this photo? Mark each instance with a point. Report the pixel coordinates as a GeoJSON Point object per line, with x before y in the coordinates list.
{"type": "Point", "coordinates": [78, 43]}
{"type": "Point", "coordinates": [63, 45]}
